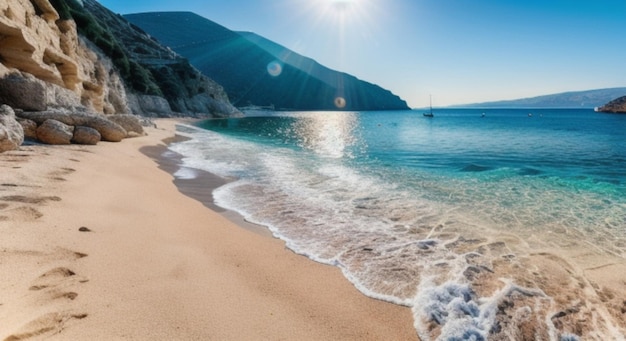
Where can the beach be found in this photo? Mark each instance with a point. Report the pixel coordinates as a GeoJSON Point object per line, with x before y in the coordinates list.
{"type": "Point", "coordinates": [485, 226]}
{"type": "Point", "coordinates": [98, 243]}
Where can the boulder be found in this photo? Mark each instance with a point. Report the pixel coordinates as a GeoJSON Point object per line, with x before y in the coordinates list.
{"type": "Point", "coordinates": [85, 135]}
{"type": "Point", "coordinates": [40, 117]}
{"type": "Point", "coordinates": [23, 91]}
{"type": "Point", "coordinates": [55, 132]}
{"type": "Point", "coordinates": [30, 128]}
{"type": "Point", "coordinates": [11, 132]}
{"type": "Point", "coordinates": [131, 123]}
{"type": "Point", "coordinates": [110, 131]}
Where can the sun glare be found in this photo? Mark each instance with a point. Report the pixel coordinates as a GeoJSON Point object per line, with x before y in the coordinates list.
{"type": "Point", "coordinates": [342, 5]}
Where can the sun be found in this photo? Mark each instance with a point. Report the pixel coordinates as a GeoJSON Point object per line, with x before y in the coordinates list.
{"type": "Point", "coordinates": [342, 6]}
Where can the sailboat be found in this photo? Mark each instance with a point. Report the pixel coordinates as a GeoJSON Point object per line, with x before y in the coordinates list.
{"type": "Point", "coordinates": [430, 113]}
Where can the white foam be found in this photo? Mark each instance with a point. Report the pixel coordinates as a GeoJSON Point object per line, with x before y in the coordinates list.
{"type": "Point", "coordinates": [374, 227]}
{"type": "Point", "coordinates": [186, 173]}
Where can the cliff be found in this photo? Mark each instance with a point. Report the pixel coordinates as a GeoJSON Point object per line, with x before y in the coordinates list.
{"type": "Point", "coordinates": [253, 76]}
{"type": "Point", "coordinates": [153, 70]}
{"type": "Point", "coordinates": [615, 106]}
{"type": "Point", "coordinates": [44, 63]}
{"type": "Point", "coordinates": [78, 55]}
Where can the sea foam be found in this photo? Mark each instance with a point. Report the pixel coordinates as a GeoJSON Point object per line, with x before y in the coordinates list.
{"type": "Point", "coordinates": [466, 250]}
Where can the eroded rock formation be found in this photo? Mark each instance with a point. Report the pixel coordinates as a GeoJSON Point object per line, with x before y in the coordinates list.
{"type": "Point", "coordinates": [44, 63]}
{"type": "Point", "coordinates": [109, 130]}
{"type": "Point", "coordinates": [53, 65]}
{"type": "Point", "coordinates": [11, 132]}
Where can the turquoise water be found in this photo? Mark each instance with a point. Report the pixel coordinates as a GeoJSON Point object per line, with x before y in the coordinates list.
{"type": "Point", "coordinates": [389, 196]}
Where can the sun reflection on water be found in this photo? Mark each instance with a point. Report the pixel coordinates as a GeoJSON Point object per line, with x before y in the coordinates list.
{"type": "Point", "coordinates": [328, 134]}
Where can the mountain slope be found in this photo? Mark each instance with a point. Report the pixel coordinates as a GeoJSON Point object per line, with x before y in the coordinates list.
{"type": "Point", "coordinates": [572, 99]}
{"type": "Point", "coordinates": [153, 69]}
{"type": "Point", "coordinates": [245, 69]}
{"type": "Point", "coordinates": [302, 63]}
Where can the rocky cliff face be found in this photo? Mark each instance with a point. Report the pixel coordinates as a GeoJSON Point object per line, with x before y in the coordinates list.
{"type": "Point", "coordinates": [45, 63]}
{"type": "Point", "coordinates": [615, 106]}
{"type": "Point", "coordinates": [162, 81]}
{"type": "Point", "coordinates": [66, 63]}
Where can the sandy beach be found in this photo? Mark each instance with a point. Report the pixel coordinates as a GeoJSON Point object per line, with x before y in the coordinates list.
{"type": "Point", "coordinates": [98, 243]}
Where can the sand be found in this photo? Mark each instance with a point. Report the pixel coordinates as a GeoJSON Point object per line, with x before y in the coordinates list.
{"type": "Point", "coordinates": [98, 243]}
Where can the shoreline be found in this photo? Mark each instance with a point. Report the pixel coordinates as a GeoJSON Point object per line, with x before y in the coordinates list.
{"type": "Point", "coordinates": [99, 243]}
{"type": "Point", "coordinates": [200, 185]}
{"type": "Point", "coordinates": [568, 287]}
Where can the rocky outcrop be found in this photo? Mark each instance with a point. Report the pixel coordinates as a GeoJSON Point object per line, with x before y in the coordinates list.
{"type": "Point", "coordinates": [615, 106]}
{"type": "Point", "coordinates": [11, 132]}
{"type": "Point", "coordinates": [130, 123]}
{"type": "Point", "coordinates": [48, 61]}
{"type": "Point", "coordinates": [55, 132]}
{"type": "Point", "coordinates": [149, 106]}
{"type": "Point", "coordinates": [45, 64]}
{"type": "Point", "coordinates": [109, 130]}
{"type": "Point", "coordinates": [85, 135]}
{"type": "Point", "coordinates": [185, 89]}
{"type": "Point", "coordinates": [29, 127]}
{"type": "Point", "coordinates": [79, 64]}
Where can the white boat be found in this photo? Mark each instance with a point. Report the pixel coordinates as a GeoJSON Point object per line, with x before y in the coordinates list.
{"type": "Point", "coordinates": [430, 113]}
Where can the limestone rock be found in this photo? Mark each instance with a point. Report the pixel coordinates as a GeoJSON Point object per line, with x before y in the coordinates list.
{"type": "Point", "coordinates": [110, 131]}
{"type": "Point", "coordinates": [11, 132]}
{"type": "Point", "coordinates": [85, 135]}
{"type": "Point", "coordinates": [45, 64]}
{"type": "Point", "coordinates": [30, 128]}
{"type": "Point", "coordinates": [55, 132]}
{"type": "Point", "coordinates": [131, 123]}
{"type": "Point", "coordinates": [23, 91]}
{"type": "Point", "coordinates": [149, 106]}
{"type": "Point", "coordinates": [178, 81]}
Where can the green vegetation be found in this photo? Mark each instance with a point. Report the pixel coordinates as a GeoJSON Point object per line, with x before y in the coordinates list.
{"type": "Point", "coordinates": [133, 73]}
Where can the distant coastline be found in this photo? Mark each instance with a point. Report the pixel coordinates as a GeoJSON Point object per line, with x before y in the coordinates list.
{"type": "Point", "coordinates": [566, 100]}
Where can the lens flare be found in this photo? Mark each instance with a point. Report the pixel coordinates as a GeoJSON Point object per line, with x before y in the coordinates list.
{"type": "Point", "coordinates": [274, 69]}
{"type": "Point", "coordinates": [340, 102]}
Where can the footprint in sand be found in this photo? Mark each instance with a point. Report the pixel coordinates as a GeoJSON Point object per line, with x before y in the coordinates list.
{"type": "Point", "coordinates": [56, 277]}
{"type": "Point", "coordinates": [53, 284]}
{"type": "Point", "coordinates": [58, 174]}
{"type": "Point", "coordinates": [22, 213]}
{"type": "Point", "coordinates": [65, 295]}
{"type": "Point", "coordinates": [48, 324]}
{"type": "Point", "coordinates": [29, 200]}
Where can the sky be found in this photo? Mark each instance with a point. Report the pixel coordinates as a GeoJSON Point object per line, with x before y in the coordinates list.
{"type": "Point", "coordinates": [457, 51]}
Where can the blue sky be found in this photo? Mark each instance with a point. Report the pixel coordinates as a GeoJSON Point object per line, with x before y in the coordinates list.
{"type": "Point", "coordinates": [460, 51]}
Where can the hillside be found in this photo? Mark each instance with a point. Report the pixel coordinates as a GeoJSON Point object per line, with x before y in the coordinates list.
{"type": "Point", "coordinates": [150, 69]}
{"type": "Point", "coordinates": [244, 68]}
{"type": "Point", "coordinates": [574, 99]}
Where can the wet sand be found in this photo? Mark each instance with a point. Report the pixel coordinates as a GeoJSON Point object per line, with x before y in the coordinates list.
{"type": "Point", "coordinates": [98, 243]}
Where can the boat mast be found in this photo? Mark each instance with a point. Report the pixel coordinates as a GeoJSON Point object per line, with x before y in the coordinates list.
{"type": "Point", "coordinates": [431, 104]}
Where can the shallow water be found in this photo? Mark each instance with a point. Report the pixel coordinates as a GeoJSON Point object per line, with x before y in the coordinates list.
{"type": "Point", "coordinates": [457, 216]}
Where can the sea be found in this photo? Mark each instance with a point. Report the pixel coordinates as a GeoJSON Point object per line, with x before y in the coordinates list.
{"type": "Point", "coordinates": [463, 217]}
